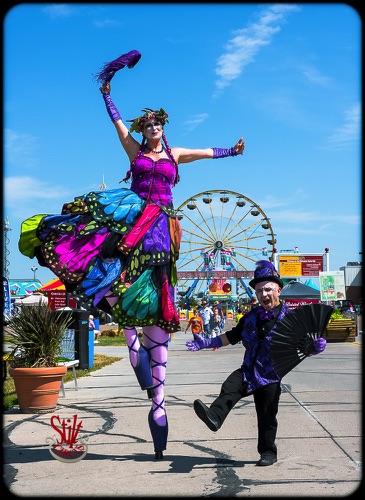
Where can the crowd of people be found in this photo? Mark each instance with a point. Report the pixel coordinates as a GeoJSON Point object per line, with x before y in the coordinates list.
{"type": "Point", "coordinates": [209, 320]}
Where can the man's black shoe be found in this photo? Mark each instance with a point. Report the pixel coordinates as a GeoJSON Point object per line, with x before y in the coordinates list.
{"type": "Point", "coordinates": [267, 458]}
{"type": "Point", "coordinates": [205, 415]}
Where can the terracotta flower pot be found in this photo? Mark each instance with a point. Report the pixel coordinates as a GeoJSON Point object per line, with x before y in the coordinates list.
{"type": "Point", "coordinates": [37, 389]}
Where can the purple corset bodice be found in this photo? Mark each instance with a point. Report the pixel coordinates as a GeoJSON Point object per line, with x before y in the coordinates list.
{"type": "Point", "coordinates": [153, 180]}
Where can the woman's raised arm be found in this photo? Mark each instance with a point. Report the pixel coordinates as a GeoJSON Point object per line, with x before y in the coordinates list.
{"type": "Point", "coordinates": [130, 145]}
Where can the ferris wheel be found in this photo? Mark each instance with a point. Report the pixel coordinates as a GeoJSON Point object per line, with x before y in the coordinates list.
{"type": "Point", "coordinates": [223, 234]}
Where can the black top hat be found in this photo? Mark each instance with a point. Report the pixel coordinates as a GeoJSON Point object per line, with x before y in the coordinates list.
{"type": "Point", "coordinates": [265, 271]}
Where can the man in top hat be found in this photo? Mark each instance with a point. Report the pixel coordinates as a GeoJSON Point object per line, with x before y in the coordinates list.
{"type": "Point", "coordinates": [256, 376]}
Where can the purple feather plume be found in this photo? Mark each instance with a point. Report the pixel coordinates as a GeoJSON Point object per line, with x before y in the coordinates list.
{"type": "Point", "coordinates": [130, 59]}
{"type": "Point", "coordinates": [265, 263]}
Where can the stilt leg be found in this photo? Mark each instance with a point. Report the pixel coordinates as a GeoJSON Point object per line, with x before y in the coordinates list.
{"type": "Point", "coordinates": [140, 360]}
{"type": "Point", "coordinates": [156, 342]}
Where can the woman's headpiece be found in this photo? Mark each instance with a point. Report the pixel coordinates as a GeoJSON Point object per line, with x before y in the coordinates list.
{"type": "Point", "coordinates": [138, 123]}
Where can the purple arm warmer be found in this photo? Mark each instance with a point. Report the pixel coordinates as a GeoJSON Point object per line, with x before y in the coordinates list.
{"type": "Point", "coordinates": [200, 343]}
{"type": "Point", "coordinates": [111, 108]}
{"type": "Point", "coordinates": [223, 153]}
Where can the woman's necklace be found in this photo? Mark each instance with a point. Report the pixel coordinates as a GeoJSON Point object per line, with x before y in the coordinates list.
{"type": "Point", "coordinates": [153, 151]}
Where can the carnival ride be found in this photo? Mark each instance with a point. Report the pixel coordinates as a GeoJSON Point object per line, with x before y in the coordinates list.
{"type": "Point", "coordinates": [224, 234]}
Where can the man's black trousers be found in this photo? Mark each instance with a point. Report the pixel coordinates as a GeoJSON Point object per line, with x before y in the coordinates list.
{"type": "Point", "coordinates": [266, 403]}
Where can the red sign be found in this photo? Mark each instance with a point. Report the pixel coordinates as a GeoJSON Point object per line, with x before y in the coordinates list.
{"type": "Point", "coordinates": [293, 303]}
{"type": "Point", "coordinates": [57, 300]}
{"type": "Point", "coordinates": [312, 265]}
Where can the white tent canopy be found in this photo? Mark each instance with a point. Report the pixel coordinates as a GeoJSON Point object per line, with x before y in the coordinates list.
{"type": "Point", "coordinates": [33, 299]}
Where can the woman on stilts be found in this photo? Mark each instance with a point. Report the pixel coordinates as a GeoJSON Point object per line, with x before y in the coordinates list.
{"type": "Point", "coordinates": [117, 249]}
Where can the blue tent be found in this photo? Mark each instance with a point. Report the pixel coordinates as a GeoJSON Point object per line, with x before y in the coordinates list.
{"type": "Point", "coordinates": [311, 283]}
{"type": "Point", "coordinates": [298, 290]}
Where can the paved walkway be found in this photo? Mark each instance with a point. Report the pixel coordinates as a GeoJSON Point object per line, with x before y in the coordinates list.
{"type": "Point", "coordinates": [319, 436]}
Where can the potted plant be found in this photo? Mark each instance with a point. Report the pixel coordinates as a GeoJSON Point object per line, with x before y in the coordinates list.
{"type": "Point", "coordinates": [34, 336]}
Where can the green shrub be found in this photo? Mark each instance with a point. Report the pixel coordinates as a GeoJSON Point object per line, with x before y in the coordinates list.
{"type": "Point", "coordinates": [337, 314]}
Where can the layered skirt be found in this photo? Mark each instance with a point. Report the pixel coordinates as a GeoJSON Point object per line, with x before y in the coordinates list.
{"type": "Point", "coordinates": [113, 250]}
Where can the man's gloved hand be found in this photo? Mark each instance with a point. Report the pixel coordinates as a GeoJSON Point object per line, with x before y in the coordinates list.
{"type": "Point", "coordinates": [319, 345]}
{"type": "Point", "coordinates": [201, 343]}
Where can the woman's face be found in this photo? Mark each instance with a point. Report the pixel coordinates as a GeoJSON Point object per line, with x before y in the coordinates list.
{"type": "Point", "coordinates": [152, 129]}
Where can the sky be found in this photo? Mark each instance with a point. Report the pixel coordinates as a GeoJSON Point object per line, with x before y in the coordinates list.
{"type": "Point", "coordinates": [285, 77]}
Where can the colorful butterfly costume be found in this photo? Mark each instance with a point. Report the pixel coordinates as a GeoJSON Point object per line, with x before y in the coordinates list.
{"type": "Point", "coordinates": [116, 249]}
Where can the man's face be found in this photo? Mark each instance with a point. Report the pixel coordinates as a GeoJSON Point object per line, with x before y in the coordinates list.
{"type": "Point", "coordinates": [268, 294]}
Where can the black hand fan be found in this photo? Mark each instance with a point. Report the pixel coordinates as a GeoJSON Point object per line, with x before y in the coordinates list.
{"type": "Point", "coordinates": [293, 336]}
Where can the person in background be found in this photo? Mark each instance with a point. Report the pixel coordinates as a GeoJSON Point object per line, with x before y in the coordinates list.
{"type": "Point", "coordinates": [239, 314]}
{"type": "Point", "coordinates": [218, 304]}
{"type": "Point", "coordinates": [254, 303]}
{"type": "Point", "coordinates": [215, 324]}
{"type": "Point", "coordinates": [93, 328]}
{"type": "Point", "coordinates": [195, 323]}
{"type": "Point", "coordinates": [256, 376]}
{"type": "Point", "coordinates": [206, 313]}
{"type": "Point", "coordinates": [220, 308]}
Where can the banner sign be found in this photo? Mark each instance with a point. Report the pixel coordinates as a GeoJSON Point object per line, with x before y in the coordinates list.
{"type": "Point", "coordinates": [300, 265]}
{"type": "Point", "coordinates": [293, 303]}
{"type": "Point", "coordinates": [332, 285]}
{"type": "Point", "coordinates": [57, 300]}
{"type": "Point", "coordinates": [203, 275]}
{"type": "Point", "coordinates": [6, 299]}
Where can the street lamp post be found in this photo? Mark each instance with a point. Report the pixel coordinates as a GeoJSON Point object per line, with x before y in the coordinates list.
{"type": "Point", "coordinates": [34, 269]}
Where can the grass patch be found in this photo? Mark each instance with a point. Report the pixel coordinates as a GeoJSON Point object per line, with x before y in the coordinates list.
{"type": "Point", "coordinates": [105, 340]}
{"type": "Point", "coordinates": [100, 360]}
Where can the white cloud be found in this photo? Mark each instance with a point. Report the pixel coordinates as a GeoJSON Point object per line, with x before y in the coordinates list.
{"type": "Point", "coordinates": [106, 23]}
{"type": "Point", "coordinates": [347, 134]}
{"type": "Point", "coordinates": [196, 120]}
{"type": "Point", "coordinates": [270, 201]}
{"type": "Point", "coordinates": [25, 196]}
{"type": "Point", "coordinates": [20, 149]}
{"type": "Point", "coordinates": [314, 76]}
{"type": "Point", "coordinates": [294, 216]}
{"type": "Point", "coordinates": [242, 49]}
{"type": "Point", "coordinates": [59, 10]}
